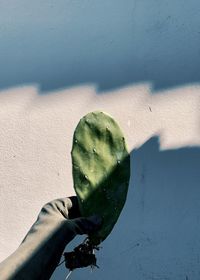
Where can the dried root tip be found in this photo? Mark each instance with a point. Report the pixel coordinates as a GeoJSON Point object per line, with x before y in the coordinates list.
{"type": "Point", "coordinates": [82, 256]}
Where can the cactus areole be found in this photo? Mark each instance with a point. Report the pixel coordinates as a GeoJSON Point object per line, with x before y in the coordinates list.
{"type": "Point", "coordinates": [101, 170]}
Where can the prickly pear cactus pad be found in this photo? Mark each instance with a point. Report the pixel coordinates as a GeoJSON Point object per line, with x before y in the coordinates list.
{"type": "Point", "coordinates": [101, 170]}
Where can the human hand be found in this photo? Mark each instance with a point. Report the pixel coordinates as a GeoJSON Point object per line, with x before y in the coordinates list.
{"type": "Point", "coordinates": [38, 255]}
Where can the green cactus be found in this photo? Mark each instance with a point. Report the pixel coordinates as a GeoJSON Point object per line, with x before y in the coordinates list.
{"type": "Point", "coordinates": [101, 170]}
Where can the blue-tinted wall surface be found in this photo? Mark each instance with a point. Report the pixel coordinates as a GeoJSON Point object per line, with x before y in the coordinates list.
{"type": "Point", "coordinates": [110, 43]}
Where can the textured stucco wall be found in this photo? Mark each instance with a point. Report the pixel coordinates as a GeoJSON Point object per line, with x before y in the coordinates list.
{"type": "Point", "coordinates": [136, 60]}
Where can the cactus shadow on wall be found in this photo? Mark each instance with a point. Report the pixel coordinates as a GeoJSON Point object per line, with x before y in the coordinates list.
{"type": "Point", "coordinates": [161, 216]}
{"type": "Point", "coordinates": [157, 234]}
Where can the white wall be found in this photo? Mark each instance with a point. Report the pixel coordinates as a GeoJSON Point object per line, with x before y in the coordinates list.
{"type": "Point", "coordinates": [138, 61]}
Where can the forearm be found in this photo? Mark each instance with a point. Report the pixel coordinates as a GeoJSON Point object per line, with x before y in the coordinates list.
{"type": "Point", "coordinates": [40, 252]}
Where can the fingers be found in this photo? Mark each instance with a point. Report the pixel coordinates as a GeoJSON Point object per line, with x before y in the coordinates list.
{"type": "Point", "coordinates": [87, 225]}
{"type": "Point", "coordinates": [67, 206]}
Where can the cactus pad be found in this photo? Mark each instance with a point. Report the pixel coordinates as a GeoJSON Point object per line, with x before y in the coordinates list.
{"type": "Point", "coordinates": [101, 170]}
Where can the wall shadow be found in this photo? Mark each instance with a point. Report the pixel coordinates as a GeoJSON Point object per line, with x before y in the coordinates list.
{"type": "Point", "coordinates": [108, 44]}
{"type": "Point", "coordinates": [157, 235]}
